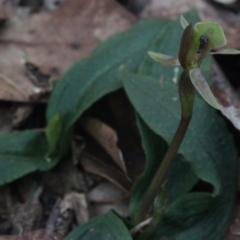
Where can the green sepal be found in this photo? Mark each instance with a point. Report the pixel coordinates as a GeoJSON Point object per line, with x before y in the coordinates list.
{"type": "Point", "coordinates": [226, 51]}
{"type": "Point", "coordinates": [164, 59]}
{"type": "Point", "coordinates": [214, 33]}
{"type": "Point", "coordinates": [203, 88]}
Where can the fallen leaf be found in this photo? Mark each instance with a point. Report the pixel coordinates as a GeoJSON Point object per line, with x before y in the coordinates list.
{"type": "Point", "coordinates": [53, 41]}
{"type": "Point", "coordinates": [226, 95]}
{"type": "Point", "coordinates": [77, 202]}
{"type": "Point", "coordinates": [95, 166]}
{"type": "Point", "coordinates": [107, 138]}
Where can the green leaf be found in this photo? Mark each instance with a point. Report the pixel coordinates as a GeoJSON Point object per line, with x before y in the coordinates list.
{"type": "Point", "coordinates": [188, 209]}
{"type": "Point", "coordinates": [22, 153]}
{"type": "Point", "coordinates": [101, 228]}
{"type": "Point", "coordinates": [89, 80]}
{"type": "Point", "coordinates": [207, 146]}
{"type": "Point", "coordinates": [53, 132]}
{"type": "Point", "coordinates": [181, 215]}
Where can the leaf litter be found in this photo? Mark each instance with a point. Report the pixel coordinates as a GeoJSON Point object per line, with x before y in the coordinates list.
{"type": "Point", "coordinates": [53, 41]}
{"type": "Point", "coordinates": [15, 92]}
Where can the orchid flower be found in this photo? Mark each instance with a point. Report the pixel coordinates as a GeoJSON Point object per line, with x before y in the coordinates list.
{"type": "Point", "coordinates": [198, 42]}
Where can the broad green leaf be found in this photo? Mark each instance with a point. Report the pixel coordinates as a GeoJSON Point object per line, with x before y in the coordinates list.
{"type": "Point", "coordinates": [188, 209]}
{"type": "Point", "coordinates": [181, 215]}
{"type": "Point", "coordinates": [207, 146]}
{"type": "Point", "coordinates": [104, 227]}
{"type": "Point", "coordinates": [89, 80]}
{"type": "Point", "coordinates": [22, 153]}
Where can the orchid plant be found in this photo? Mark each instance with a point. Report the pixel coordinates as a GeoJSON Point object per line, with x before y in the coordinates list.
{"type": "Point", "coordinates": [198, 41]}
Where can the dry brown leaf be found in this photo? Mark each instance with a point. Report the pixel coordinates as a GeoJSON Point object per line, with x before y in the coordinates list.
{"type": "Point", "coordinates": [172, 9]}
{"type": "Point", "coordinates": [78, 203]}
{"type": "Point", "coordinates": [36, 235]}
{"type": "Point", "coordinates": [53, 41]}
{"type": "Point", "coordinates": [226, 95]}
{"type": "Point", "coordinates": [62, 213]}
{"type": "Point", "coordinates": [107, 138]}
{"type": "Point", "coordinates": [97, 167]}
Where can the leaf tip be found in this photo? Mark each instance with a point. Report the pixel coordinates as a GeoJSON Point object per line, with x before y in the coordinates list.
{"type": "Point", "coordinates": [184, 22]}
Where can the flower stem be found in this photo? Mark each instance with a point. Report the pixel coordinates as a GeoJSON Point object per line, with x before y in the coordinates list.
{"type": "Point", "coordinates": [186, 93]}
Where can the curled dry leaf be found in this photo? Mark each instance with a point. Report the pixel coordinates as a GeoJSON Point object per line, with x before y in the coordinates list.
{"type": "Point", "coordinates": [53, 41]}
{"type": "Point", "coordinates": [107, 138]}
{"type": "Point", "coordinates": [95, 166]}
{"type": "Point", "coordinates": [78, 203]}
{"type": "Point", "coordinates": [64, 210]}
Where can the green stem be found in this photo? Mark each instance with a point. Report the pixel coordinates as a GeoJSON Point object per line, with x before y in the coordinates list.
{"type": "Point", "coordinates": [186, 93]}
